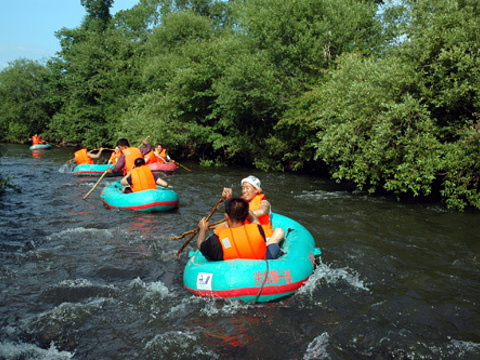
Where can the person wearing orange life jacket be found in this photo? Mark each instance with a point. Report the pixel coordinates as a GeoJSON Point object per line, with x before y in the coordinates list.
{"type": "Point", "coordinates": [85, 157]}
{"type": "Point", "coordinates": [129, 154]}
{"type": "Point", "coordinates": [161, 154]}
{"type": "Point", "coordinates": [142, 178]}
{"type": "Point", "coordinates": [115, 155]}
{"type": "Point", "coordinates": [259, 205]}
{"type": "Point", "coordinates": [244, 237]}
{"type": "Point", "coordinates": [37, 140]}
{"type": "Point", "coordinates": [150, 158]}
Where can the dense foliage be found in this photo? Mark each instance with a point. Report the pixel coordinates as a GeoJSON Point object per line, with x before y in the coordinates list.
{"type": "Point", "coordinates": [384, 96]}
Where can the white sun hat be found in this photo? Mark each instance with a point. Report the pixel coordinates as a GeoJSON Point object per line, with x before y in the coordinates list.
{"type": "Point", "coordinates": [254, 181]}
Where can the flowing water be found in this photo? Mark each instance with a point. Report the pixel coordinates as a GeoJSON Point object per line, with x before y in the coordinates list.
{"type": "Point", "coordinates": [79, 281]}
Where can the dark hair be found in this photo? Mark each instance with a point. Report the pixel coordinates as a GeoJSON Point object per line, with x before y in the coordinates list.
{"type": "Point", "coordinates": [139, 161]}
{"type": "Point", "coordinates": [237, 208]}
{"type": "Point", "coordinates": [78, 147]}
{"type": "Point", "coordinates": [123, 142]}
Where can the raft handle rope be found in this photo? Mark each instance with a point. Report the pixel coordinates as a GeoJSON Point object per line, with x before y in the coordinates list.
{"type": "Point", "coordinates": [266, 273]}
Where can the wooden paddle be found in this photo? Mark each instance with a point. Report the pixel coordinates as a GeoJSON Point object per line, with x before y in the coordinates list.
{"type": "Point", "coordinates": [182, 166]}
{"type": "Point", "coordinates": [198, 229]}
{"type": "Point", "coordinates": [98, 182]}
{"type": "Point", "coordinates": [211, 226]}
{"type": "Point", "coordinates": [142, 141]}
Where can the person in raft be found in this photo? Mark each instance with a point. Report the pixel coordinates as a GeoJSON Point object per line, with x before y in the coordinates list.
{"type": "Point", "coordinates": [114, 157]}
{"type": "Point", "coordinates": [141, 178]}
{"type": "Point", "coordinates": [85, 157]}
{"type": "Point", "coordinates": [128, 156]}
{"type": "Point", "coordinates": [157, 155]}
{"type": "Point", "coordinates": [161, 154]}
{"type": "Point", "coordinates": [37, 140]}
{"type": "Point", "coordinates": [244, 237]}
{"type": "Point", "coordinates": [259, 206]}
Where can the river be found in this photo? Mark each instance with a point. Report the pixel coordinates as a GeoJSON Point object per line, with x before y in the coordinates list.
{"type": "Point", "coordinates": [79, 281]}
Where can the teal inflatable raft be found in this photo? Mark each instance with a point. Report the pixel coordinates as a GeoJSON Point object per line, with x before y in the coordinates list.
{"type": "Point", "coordinates": [93, 170]}
{"type": "Point", "coordinates": [41, 147]}
{"type": "Point", "coordinates": [256, 280]}
{"type": "Point", "coordinates": [161, 199]}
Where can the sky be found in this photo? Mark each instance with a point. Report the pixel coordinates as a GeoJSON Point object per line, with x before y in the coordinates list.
{"type": "Point", "coordinates": [27, 27]}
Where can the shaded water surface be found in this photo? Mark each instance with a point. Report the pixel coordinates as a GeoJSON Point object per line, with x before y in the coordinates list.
{"type": "Point", "coordinates": [79, 281]}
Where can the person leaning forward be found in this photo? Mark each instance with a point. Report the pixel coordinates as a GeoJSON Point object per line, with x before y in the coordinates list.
{"type": "Point", "coordinates": [82, 156]}
{"type": "Point", "coordinates": [129, 154]}
{"type": "Point", "coordinates": [243, 238]}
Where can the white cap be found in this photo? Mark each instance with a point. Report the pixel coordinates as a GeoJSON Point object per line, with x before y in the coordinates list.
{"type": "Point", "coordinates": [254, 181]}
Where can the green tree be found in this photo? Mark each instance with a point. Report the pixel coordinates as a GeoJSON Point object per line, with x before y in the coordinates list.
{"type": "Point", "coordinates": [406, 121]}
{"type": "Point", "coordinates": [100, 69]}
{"type": "Point", "coordinates": [98, 14]}
{"type": "Point", "coordinates": [25, 108]}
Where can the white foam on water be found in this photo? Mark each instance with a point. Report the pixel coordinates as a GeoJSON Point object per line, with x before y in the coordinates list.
{"type": "Point", "coordinates": [68, 311]}
{"type": "Point", "coordinates": [464, 349]}
{"type": "Point", "coordinates": [182, 344]}
{"type": "Point", "coordinates": [76, 283]}
{"type": "Point", "coordinates": [67, 168]}
{"type": "Point", "coordinates": [152, 289]}
{"type": "Point", "coordinates": [79, 283]}
{"type": "Point", "coordinates": [184, 305]}
{"type": "Point", "coordinates": [331, 276]}
{"type": "Point", "coordinates": [14, 350]}
{"type": "Point", "coordinates": [323, 195]}
{"type": "Point", "coordinates": [224, 306]}
{"type": "Point", "coordinates": [317, 349]}
{"type": "Point", "coordinates": [81, 231]}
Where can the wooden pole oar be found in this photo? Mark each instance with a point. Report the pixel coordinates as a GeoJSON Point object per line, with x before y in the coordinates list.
{"type": "Point", "coordinates": [198, 229]}
{"type": "Point", "coordinates": [176, 162]}
{"type": "Point", "coordinates": [142, 141]}
{"type": "Point", "coordinates": [98, 182]}
{"type": "Point", "coordinates": [211, 226]}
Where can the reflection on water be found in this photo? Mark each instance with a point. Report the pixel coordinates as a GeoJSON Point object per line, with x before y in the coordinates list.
{"type": "Point", "coordinates": [395, 281]}
{"type": "Point", "coordinates": [37, 154]}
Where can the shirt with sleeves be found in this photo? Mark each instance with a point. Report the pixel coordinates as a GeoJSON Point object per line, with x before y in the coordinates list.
{"type": "Point", "coordinates": [118, 168]}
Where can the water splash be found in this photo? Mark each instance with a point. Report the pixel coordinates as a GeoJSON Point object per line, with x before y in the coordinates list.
{"type": "Point", "coordinates": [324, 273]}
{"type": "Point", "coordinates": [67, 168]}
{"type": "Point", "coordinates": [323, 195]}
{"type": "Point", "coordinates": [317, 349]}
{"type": "Point", "coordinates": [226, 307]}
{"type": "Point", "coordinates": [93, 233]}
{"type": "Point", "coordinates": [151, 289]}
{"type": "Point", "coordinates": [178, 345]}
{"type": "Point", "coordinates": [464, 349]}
{"type": "Point", "coordinates": [11, 350]}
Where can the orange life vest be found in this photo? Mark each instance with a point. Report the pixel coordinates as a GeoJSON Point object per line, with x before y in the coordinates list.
{"type": "Point", "coordinates": [150, 158]}
{"type": "Point", "coordinates": [142, 179]}
{"type": "Point", "coordinates": [163, 154]}
{"type": "Point", "coordinates": [115, 156]}
{"type": "Point", "coordinates": [264, 220]}
{"type": "Point", "coordinates": [37, 139]}
{"type": "Point", "coordinates": [82, 157]}
{"type": "Point", "coordinates": [131, 154]}
{"type": "Point", "coordinates": [243, 242]}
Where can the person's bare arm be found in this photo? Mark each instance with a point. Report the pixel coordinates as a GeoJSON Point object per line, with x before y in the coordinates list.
{"type": "Point", "coordinates": [95, 156]}
{"type": "Point", "coordinates": [263, 209]}
{"type": "Point", "coordinates": [124, 181]}
{"type": "Point", "coordinates": [202, 233]}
